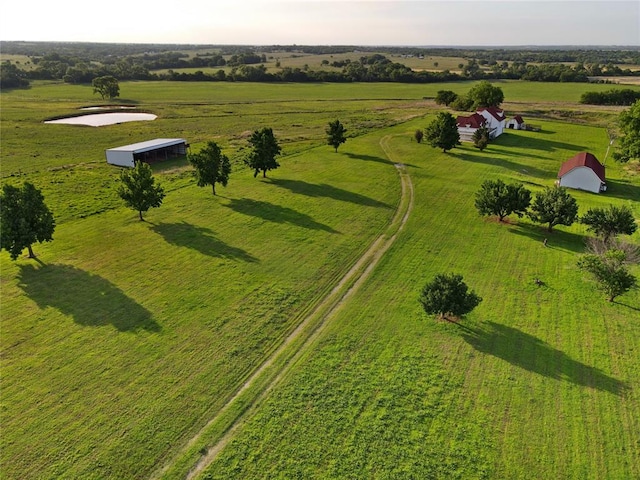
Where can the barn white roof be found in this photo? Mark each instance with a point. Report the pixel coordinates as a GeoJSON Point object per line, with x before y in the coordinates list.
{"type": "Point", "coordinates": [149, 145]}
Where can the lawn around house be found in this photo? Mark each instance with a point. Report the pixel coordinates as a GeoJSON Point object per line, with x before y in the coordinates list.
{"type": "Point", "coordinates": [129, 336]}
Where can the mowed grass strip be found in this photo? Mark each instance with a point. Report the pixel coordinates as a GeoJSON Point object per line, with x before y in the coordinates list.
{"type": "Point", "coordinates": [537, 382]}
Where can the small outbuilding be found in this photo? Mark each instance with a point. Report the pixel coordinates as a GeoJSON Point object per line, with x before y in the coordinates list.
{"type": "Point", "coordinates": [583, 172]}
{"type": "Point", "coordinates": [516, 123]}
{"type": "Point", "coordinates": [150, 151]}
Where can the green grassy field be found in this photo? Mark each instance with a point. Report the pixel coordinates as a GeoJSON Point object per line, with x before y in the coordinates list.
{"type": "Point", "coordinates": [127, 337]}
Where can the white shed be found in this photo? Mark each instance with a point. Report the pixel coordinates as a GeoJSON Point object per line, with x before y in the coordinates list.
{"type": "Point", "coordinates": [516, 123]}
{"type": "Point", "coordinates": [149, 151]}
{"type": "Point", "coordinates": [582, 172]}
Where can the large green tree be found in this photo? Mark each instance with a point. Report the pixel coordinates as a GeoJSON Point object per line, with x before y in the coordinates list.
{"type": "Point", "coordinates": [554, 206]}
{"type": "Point", "coordinates": [484, 94]}
{"type": "Point", "coordinates": [336, 134]}
{"type": "Point", "coordinates": [24, 219]}
{"type": "Point", "coordinates": [610, 272]}
{"type": "Point", "coordinates": [139, 190]}
{"type": "Point", "coordinates": [610, 222]}
{"type": "Point", "coordinates": [264, 149]}
{"type": "Point", "coordinates": [442, 132]}
{"type": "Point", "coordinates": [498, 198]}
{"type": "Point", "coordinates": [447, 294]}
{"type": "Point", "coordinates": [629, 145]}
{"type": "Point", "coordinates": [107, 86]}
{"type": "Point", "coordinates": [446, 97]}
{"type": "Point", "coordinates": [211, 166]}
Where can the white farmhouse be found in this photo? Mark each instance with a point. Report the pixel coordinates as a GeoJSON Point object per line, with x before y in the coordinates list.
{"type": "Point", "coordinates": [582, 172]}
{"type": "Point", "coordinates": [496, 120]}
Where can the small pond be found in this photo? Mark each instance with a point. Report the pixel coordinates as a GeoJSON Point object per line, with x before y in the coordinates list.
{"type": "Point", "coordinates": [102, 119]}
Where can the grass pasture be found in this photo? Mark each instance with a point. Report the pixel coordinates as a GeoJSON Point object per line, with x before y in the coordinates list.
{"type": "Point", "coordinates": [537, 383]}
{"type": "Point", "coordinates": [125, 338]}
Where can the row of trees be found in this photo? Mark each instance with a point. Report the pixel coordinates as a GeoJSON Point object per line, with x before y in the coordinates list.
{"type": "Point", "coordinates": [624, 96]}
{"type": "Point", "coordinates": [553, 206]}
{"type": "Point", "coordinates": [607, 259]}
{"type": "Point", "coordinates": [25, 218]}
{"type": "Point", "coordinates": [140, 192]}
{"type": "Point", "coordinates": [81, 68]}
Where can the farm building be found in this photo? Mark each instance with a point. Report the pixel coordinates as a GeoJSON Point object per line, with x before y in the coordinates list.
{"type": "Point", "coordinates": [150, 151]}
{"type": "Point", "coordinates": [467, 126]}
{"type": "Point", "coordinates": [516, 123]}
{"type": "Point", "coordinates": [492, 118]}
{"type": "Point", "coordinates": [582, 172]}
{"type": "Point", "coordinates": [496, 120]}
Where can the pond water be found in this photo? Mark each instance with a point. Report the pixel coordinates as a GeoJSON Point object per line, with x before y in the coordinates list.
{"type": "Point", "coordinates": [102, 119]}
{"type": "Point", "coordinates": [110, 107]}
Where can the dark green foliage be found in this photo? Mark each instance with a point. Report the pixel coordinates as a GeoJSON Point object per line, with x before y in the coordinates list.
{"type": "Point", "coordinates": [264, 149]}
{"type": "Point", "coordinates": [624, 96]}
{"type": "Point", "coordinates": [629, 147]}
{"type": "Point", "coordinates": [106, 86]}
{"type": "Point", "coordinates": [497, 198]}
{"type": "Point", "coordinates": [418, 135]}
{"type": "Point", "coordinates": [610, 222]}
{"type": "Point", "coordinates": [484, 94]}
{"type": "Point", "coordinates": [481, 138]}
{"type": "Point", "coordinates": [442, 132]}
{"type": "Point", "coordinates": [463, 104]}
{"type": "Point", "coordinates": [11, 76]}
{"type": "Point", "coordinates": [336, 134]}
{"type": "Point", "coordinates": [554, 206]}
{"type": "Point", "coordinates": [138, 189]}
{"type": "Point", "coordinates": [446, 295]}
{"type": "Point", "coordinates": [610, 272]}
{"type": "Point", "coordinates": [446, 97]}
{"type": "Point", "coordinates": [211, 166]}
{"type": "Point", "coordinates": [24, 219]}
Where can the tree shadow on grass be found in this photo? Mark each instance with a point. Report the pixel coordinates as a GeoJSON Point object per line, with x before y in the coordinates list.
{"type": "Point", "coordinates": [201, 239]}
{"type": "Point", "coordinates": [502, 163]}
{"type": "Point", "coordinates": [537, 143]}
{"type": "Point", "coordinates": [622, 189]}
{"type": "Point", "coordinates": [369, 158]}
{"type": "Point", "coordinates": [557, 239]}
{"type": "Point", "coordinates": [324, 190]}
{"type": "Point", "coordinates": [90, 299]}
{"type": "Point", "coordinates": [276, 213]}
{"type": "Point", "coordinates": [532, 354]}
{"type": "Point", "coordinates": [626, 305]}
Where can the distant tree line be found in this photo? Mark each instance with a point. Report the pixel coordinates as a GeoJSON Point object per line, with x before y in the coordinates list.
{"type": "Point", "coordinates": [611, 97]}
{"type": "Point", "coordinates": [87, 61]}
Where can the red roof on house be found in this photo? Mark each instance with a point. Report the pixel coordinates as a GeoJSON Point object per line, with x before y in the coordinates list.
{"type": "Point", "coordinates": [583, 159]}
{"type": "Point", "coordinates": [474, 121]}
{"type": "Point", "coordinates": [518, 119]}
{"type": "Point", "coordinates": [495, 112]}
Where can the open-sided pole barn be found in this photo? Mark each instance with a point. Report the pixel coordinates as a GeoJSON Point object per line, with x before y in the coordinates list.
{"type": "Point", "coordinates": [149, 151]}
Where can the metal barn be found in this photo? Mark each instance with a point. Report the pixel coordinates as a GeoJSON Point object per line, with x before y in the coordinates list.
{"type": "Point", "coordinates": [150, 151]}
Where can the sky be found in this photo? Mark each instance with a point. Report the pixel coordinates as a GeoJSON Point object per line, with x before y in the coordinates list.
{"type": "Point", "coordinates": [327, 22]}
